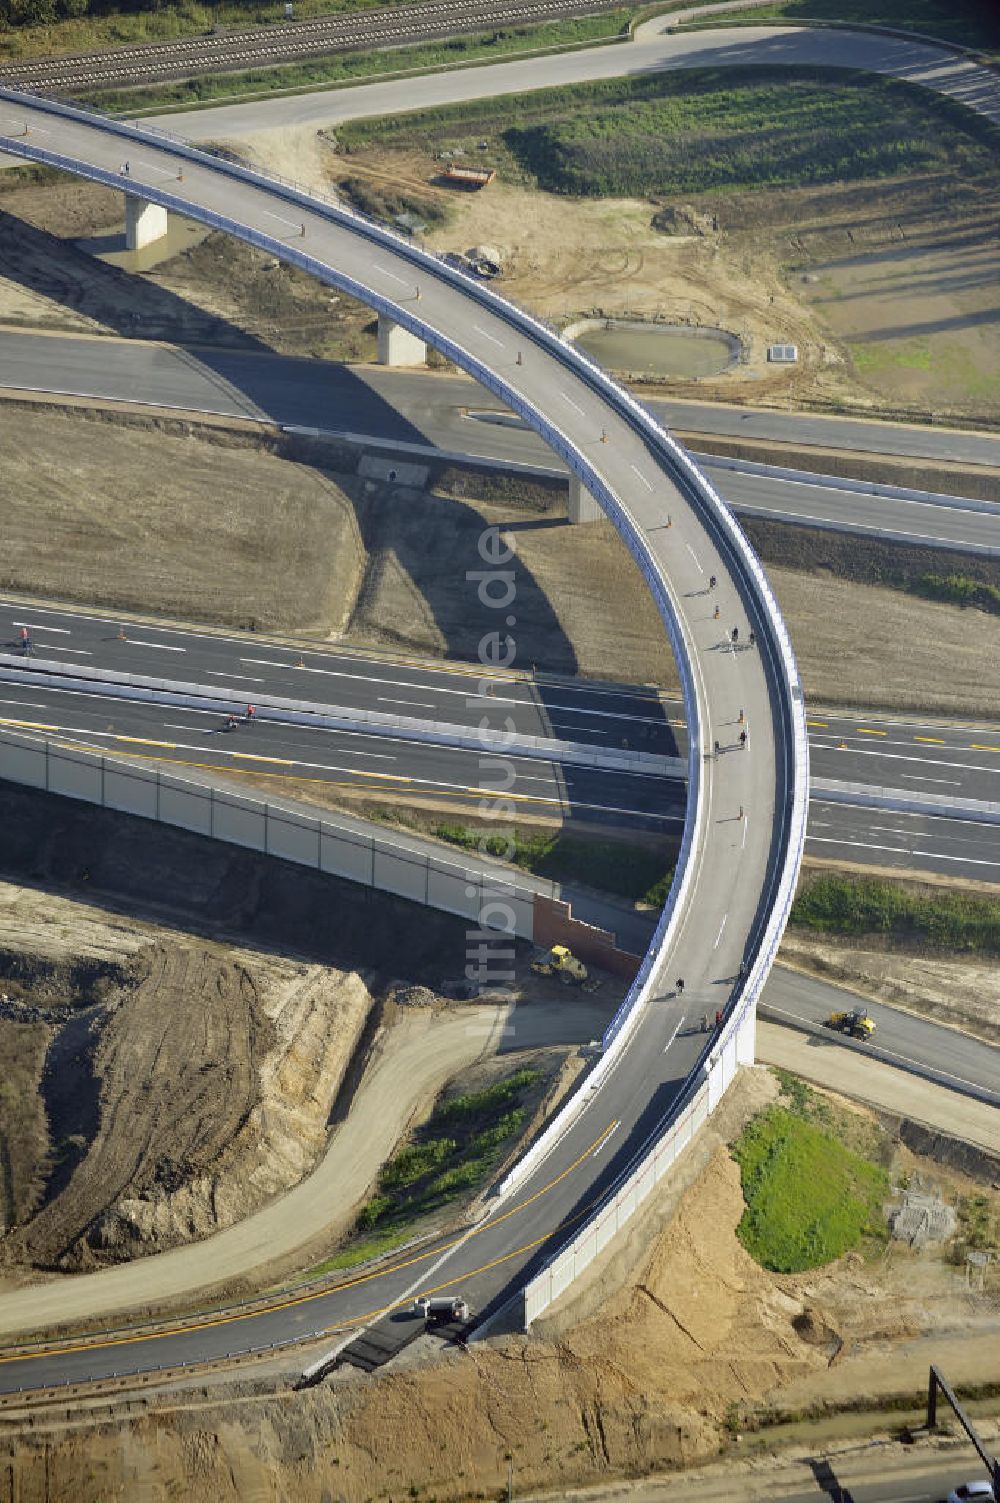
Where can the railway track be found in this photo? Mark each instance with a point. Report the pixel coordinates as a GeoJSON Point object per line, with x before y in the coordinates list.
{"type": "Point", "coordinates": [235, 51]}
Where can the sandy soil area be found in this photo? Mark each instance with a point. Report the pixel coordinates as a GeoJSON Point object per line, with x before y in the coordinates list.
{"type": "Point", "coordinates": [693, 1341]}
{"type": "Point", "coordinates": [889, 290]}
{"type": "Point", "coordinates": [183, 1083]}
{"type": "Point", "coordinates": [227, 533]}
{"type": "Point", "coordinates": [184, 1061]}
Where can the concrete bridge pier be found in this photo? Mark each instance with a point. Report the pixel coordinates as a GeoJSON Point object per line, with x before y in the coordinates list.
{"type": "Point", "coordinates": [144, 222]}
{"type": "Point", "coordinates": [397, 346]}
{"type": "Point", "coordinates": [582, 506]}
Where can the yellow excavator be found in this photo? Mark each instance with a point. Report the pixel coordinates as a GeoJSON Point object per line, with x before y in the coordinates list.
{"type": "Point", "coordinates": [561, 962]}
{"type": "Point", "coordinates": [857, 1023]}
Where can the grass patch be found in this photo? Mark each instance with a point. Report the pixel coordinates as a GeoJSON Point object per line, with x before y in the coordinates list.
{"type": "Point", "coordinates": [383, 202]}
{"type": "Point", "coordinates": [810, 1196]}
{"type": "Point", "coordinates": [891, 354]}
{"type": "Point", "coordinates": [627, 871]}
{"type": "Point", "coordinates": [957, 589]}
{"type": "Point", "coordinates": [463, 1140]}
{"type": "Point", "coordinates": [866, 906]}
{"type": "Point", "coordinates": [970, 23]}
{"type": "Point", "coordinates": [351, 67]}
{"type": "Point", "coordinates": [705, 130]}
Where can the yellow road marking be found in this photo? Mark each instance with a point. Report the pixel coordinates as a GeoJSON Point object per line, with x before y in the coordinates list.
{"type": "Point", "coordinates": [142, 741]}
{"type": "Point", "coordinates": [931, 740]}
{"type": "Point", "coordinates": [817, 725]}
{"type": "Point", "coordinates": [31, 725]}
{"type": "Point", "coordinates": [303, 1299]}
{"type": "Point", "coordinates": [252, 757]}
{"type": "Point", "coordinates": [863, 732]}
{"type": "Point", "coordinates": [978, 746]}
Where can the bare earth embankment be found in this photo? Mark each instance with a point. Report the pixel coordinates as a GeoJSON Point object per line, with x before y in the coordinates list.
{"type": "Point", "coordinates": [676, 1339]}
{"type": "Point", "coordinates": [176, 1066]}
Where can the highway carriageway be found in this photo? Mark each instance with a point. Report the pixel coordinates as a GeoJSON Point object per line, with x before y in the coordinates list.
{"type": "Point", "coordinates": [449, 415]}
{"type": "Point", "coordinates": [908, 755]}
{"type": "Point", "coordinates": [408, 406]}
{"type": "Point", "coordinates": [902, 751]}
{"type": "Point", "coordinates": [730, 903]}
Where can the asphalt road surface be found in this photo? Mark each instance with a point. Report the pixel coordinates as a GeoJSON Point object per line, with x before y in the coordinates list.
{"type": "Point", "coordinates": [452, 694]}
{"type": "Point", "coordinates": [911, 1040]}
{"type": "Point", "coordinates": [454, 415]}
{"type": "Point", "coordinates": [405, 405]}
{"type": "Point", "coordinates": [651, 49]}
{"type": "Point", "coordinates": [881, 752]}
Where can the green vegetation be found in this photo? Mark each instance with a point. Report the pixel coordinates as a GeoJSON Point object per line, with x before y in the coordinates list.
{"type": "Point", "coordinates": [957, 589]}
{"type": "Point", "coordinates": [384, 202]}
{"type": "Point", "coordinates": [704, 130]}
{"type": "Point", "coordinates": [628, 871]}
{"type": "Point", "coordinates": [811, 1192]}
{"type": "Point", "coordinates": [978, 1225]}
{"type": "Point", "coordinates": [970, 23]}
{"type": "Point", "coordinates": [891, 354]}
{"type": "Point", "coordinates": [450, 1155]}
{"type": "Point", "coordinates": [926, 918]}
{"type": "Point", "coordinates": [359, 67]}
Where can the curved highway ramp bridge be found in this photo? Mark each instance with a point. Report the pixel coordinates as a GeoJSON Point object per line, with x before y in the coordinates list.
{"type": "Point", "coordinates": [745, 821]}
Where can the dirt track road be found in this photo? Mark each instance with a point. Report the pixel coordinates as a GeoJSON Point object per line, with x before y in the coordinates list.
{"type": "Point", "coordinates": [881, 1086]}
{"type": "Point", "coordinates": [416, 1059]}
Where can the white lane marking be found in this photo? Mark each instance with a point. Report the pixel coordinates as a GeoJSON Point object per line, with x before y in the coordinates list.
{"type": "Point", "coordinates": [941, 819]}
{"type": "Point", "coordinates": [477, 699]}
{"type": "Point", "coordinates": [914, 777]}
{"type": "Point", "coordinates": [901, 850]}
{"type": "Point", "coordinates": [845, 523]}
{"type": "Point", "coordinates": [607, 1138]}
{"type": "Point", "coordinates": [35, 626]}
{"type": "Point", "coordinates": [152, 167]}
{"type": "Point", "coordinates": [160, 646]}
{"type": "Point", "coordinates": [636, 470]}
{"type": "Point", "coordinates": [783, 1012]}
{"type": "Point", "coordinates": [676, 1031]}
{"type": "Point", "coordinates": [695, 557]}
{"type": "Point", "coordinates": [244, 678]}
{"type": "Point", "coordinates": [385, 272]}
{"type": "Point", "coordinates": [921, 761]}
{"type": "Point", "coordinates": [491, 337]}
{"type": "Point", "coordinates": [721, 927]}
{"type": "Point", "coordinates": [78, 652]}
{"type": "Point", "coordinates": [575, 405]}
{"type": "Point", "coordinates": [746, 822]}
{"type": "Point", "coordinates": [24, 704]}
{"type": "Point", "coordinates": [295, 224]}
{"type": "Point", "coordinates": [413, 704]}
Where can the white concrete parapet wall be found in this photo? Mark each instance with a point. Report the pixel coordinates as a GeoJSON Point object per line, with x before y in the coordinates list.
{"type": "Point", "coordinates": [667, 1144]}
{"type": "Point", "coordinates": [465, 887]}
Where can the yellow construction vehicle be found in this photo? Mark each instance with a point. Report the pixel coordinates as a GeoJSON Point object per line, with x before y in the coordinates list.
{"type": "Point", "coordinates": [561, 962]}
{"type": "Point", "coordinates": [857, 1023]}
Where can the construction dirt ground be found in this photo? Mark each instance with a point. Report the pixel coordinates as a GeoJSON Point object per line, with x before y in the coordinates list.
{"type": "Point", "coordinates": [676, 1347]}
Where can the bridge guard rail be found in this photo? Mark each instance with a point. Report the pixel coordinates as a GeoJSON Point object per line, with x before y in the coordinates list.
{"type": "Point", "coordinates": [637, 1184]}
{"type": "Point", "coordinates": [791, 792]}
